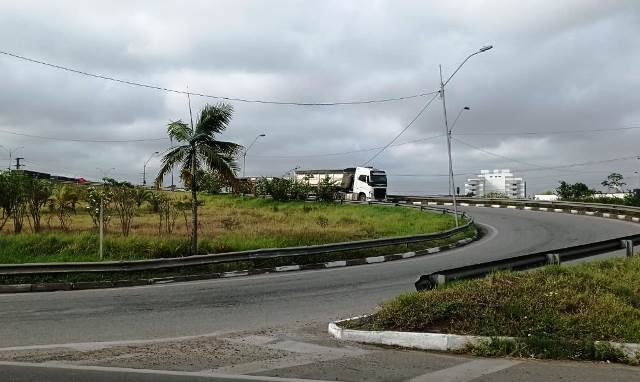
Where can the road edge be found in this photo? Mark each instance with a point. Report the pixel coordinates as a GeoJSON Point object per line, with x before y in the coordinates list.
{"type": "Point", "coordinates": [438, 341]}
{"type": "Point", "coordinates": [83, 285]}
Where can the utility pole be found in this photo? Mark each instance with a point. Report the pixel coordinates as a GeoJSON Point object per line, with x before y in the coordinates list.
{"type": "Point", "coordinates": [448, 133]}
{"type": "Point", "coordinates": [101, 224]}
{"type": "Point", "coordinates": [18, 165]}
{"type": "Point", "coordinates": [446, 126]}
{"type": "Point", "coordinates": [11, 151]}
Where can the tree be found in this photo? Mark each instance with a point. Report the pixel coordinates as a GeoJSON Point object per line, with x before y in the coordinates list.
{"type": "Point", "coordinates": [198, 148]}
{"type": "Point", "coordinates": [614, 182]}
{"type": "Point", "coordinates": [61, 203]}
{"type": "Point", "coordinates": [13, 198]}
{"type": "Point", "coordinates": [38, 192]}
{"type": "Point", "coordinates": [209, 182]}
{"type": "Point", "coordinates": [96, 197]}
{"type": "Point", "coordinates": [577, 190]}
{"type": "Point", "coordinates": [123, 198]}
{"type": "Point", "coordinates": [142, 195]}
{"type": "Point", "coordinates": [327, 189]}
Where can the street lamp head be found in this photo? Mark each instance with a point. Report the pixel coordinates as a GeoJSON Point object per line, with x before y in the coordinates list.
{"type": "Point", "coordinates": [467, 108]}
{"type": "Point", "coordinates": [156, 152]}
{"type": "Point", "coordinates": [262, 135]}
{"type": "Point", "coordinates": [485, 48]}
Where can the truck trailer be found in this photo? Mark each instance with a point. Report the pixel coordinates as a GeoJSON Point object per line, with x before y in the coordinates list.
{"type": "Point", "coordinates": [354, 183]}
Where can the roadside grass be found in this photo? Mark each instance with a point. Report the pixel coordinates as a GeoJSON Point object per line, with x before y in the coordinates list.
{"type": "Point", "coordinates": [234, 266]}
{"type": "Point", "coordinates": [227, 223]}
{"type": "Point", "coordinates": [554, 312]}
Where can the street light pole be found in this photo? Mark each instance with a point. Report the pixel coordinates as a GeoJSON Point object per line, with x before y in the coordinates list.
{"type": "Point", "coordinates": [446, 126]}
{"type": "Point", "coordinates": [451, 190]}
{"type": "Point", "coordinates": [244, 155]}
{"type": "Point", "coordinates": [144, 168]}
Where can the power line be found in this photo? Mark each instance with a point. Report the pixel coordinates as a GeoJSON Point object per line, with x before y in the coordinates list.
{"type": "Point", "coordinates": [495, 155]}
{"type": "Point", "coordinates": [94, 140]}
{"type": "Point", "coordinates": [539, 168]}
{"type": "Point", "coordinates": [571, 165]}
{"type": "Point", "coordinates": [83, 140]}
{"type": "Point", "coordinates": [404, 129]}
{"type": "Point", "coordinates": [237, 99]}
{"type": "Point", "coordinates": [549, 132]}
{"type": "Point", "coordinates": [346, 152]}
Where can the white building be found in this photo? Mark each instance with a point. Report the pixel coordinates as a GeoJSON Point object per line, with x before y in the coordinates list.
{"type": "Point", "coordinates": [501, 182]}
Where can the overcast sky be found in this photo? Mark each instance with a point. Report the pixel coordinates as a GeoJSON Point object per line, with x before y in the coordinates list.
{"type": "Point", "coordinates": [555, 66]}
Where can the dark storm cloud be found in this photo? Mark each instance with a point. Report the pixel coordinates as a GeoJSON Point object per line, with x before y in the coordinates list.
{"type": "Point", "coordinates": [556, 66]}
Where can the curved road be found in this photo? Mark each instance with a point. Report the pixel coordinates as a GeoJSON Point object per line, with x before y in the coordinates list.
{"type": "Point", "coordinates": [296, 298]}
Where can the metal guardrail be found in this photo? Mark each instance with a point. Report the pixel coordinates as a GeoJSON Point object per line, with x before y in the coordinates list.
{"type": "Point", "coordinates": [258, 254]}
{"type": "Point", "coordinates": [615, 208]}
{"type": "Point", "coordinates": [530, 261]}
{"type": "Point", "coordinates": [533, 260]}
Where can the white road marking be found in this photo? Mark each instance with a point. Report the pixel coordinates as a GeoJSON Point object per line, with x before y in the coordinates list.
{"type": "Point", "coordinates": [96, 345]}
{"type": "Point", "coordinates": [467, 371]}
{"type": "Point", "coordinates": [156, 372]}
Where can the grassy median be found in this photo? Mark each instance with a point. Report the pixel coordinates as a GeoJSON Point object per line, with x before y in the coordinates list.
{"type": "Point", "coordinates": [554, 312]}
{"type": "Point", "coordinates": [227, 223]}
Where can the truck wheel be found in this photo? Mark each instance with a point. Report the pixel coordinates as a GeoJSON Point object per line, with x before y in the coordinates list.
{"type": "Point", "coordinates": [362, 197]}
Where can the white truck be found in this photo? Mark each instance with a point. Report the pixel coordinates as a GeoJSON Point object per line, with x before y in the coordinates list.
{"type": "Point", "coordinates": [354, 183]}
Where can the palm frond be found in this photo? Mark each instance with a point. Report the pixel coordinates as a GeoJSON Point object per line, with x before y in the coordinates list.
{"type": "Point", "coordinates": [172, 159]}
{"type": "Point", "coordinates": [214, 119]}
{"type": "Point", "coordinates": [179, 131]}
{"type": "Point", "coordinates": [224, 164]}
{"type": "Point", "coordinates": [222, 147]}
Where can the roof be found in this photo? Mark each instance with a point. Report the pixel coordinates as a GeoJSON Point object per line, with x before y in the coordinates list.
{"type": "Point", "coordinates": [328, 171]}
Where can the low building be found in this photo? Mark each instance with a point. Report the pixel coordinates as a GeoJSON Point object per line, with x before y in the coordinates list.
{"type": "Point", "coordinates": [496, 183]}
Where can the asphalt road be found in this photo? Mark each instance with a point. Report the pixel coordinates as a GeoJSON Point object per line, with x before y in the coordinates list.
{"type": "Point", "coordinates": [247, 303]}
{"type": "Point", "coordinates": [21, 372]}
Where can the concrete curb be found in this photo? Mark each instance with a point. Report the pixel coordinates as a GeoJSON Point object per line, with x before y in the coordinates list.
{"type": "Point", "coordinates": [437, 341]}
{"type": "Point", "coordinates": [83, 285]}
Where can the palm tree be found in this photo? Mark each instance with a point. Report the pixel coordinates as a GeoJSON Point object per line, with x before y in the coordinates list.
{"type": "Point", "coordinates": [198, 148]}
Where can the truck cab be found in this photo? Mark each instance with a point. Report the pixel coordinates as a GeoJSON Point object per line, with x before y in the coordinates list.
{"type": "Point", "coordinates": [369, 184]}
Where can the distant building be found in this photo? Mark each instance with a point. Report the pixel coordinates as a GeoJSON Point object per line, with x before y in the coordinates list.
{"type": "Point", "coordinates": [498, 182]}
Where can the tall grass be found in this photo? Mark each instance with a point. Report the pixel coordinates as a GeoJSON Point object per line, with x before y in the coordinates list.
{"type": "Point", "coordinates": [556, 312]}
{"type": "Point", "coordinates": [227, 223]}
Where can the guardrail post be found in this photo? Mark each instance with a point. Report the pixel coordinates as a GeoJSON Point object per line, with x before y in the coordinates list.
{"type": "Point", "coordinates": [628, 247]}
{"type": "Point", "coordinates": [427, 282]}
{"type": "Point", "coordinates": [553, 259]}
